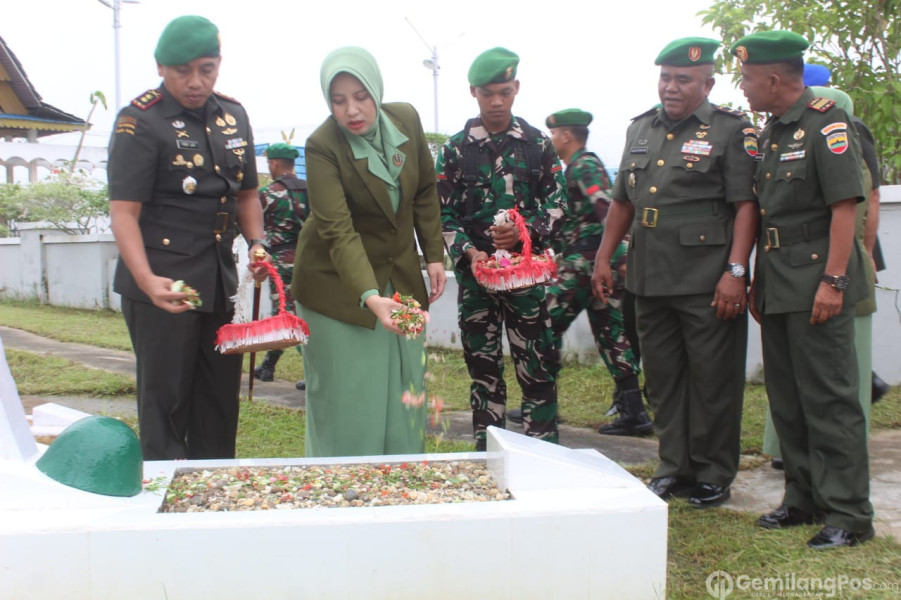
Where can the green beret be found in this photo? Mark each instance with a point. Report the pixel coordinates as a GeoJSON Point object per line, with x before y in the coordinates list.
{"type": "Point", "coordinates": [569, 116]}
{"type": "Point", "coordinates": [688, 52]}
{"type": "Point", "coordinates": [282, 151]}
{"type": "Point", "coordinates": [769, 47]}
{"type": "Point", "coordinates": [497, 65]}
{"type": "Point", "coordinates": [185, 39]}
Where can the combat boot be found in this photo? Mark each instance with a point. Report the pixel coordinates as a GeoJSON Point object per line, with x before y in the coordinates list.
{"type": "Point", "coordinates": [266, 370]}
{"type": "Point", "coordinates": [633, 420]}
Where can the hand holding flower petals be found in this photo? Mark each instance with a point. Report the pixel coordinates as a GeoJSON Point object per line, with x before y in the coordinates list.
{"type": "Point", "coordinates": [409, 318]}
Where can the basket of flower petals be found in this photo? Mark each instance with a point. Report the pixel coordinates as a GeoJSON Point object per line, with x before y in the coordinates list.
{"type": "Point", "coordinates": [280, 331]}
{"type": "Point", "coordinates": [513, 270]}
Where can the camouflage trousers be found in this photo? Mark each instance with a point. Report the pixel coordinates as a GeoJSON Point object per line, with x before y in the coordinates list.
{"type": "Point", "coordinates": [284, 264]}
{"type": "Point", "coordinates": [570, 294]}
{"type": "Point", "coordinates": [524, 315]}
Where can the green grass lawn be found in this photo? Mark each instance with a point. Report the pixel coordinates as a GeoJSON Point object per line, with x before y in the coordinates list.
{"type": "Point", "coordinates": [700, 542]}
{"type": "Point", "coordinates": [585, 391]}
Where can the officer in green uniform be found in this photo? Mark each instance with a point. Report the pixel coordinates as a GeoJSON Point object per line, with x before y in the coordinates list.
{"type": "Point", "coordinates": [685, 190]}
{"type": "Point", "coordinates": [587, 199]}
{"type": "Point", "coordinates": [285, 207]}
{"type": "Point", "coordinates": [863, 310]}
{"type": "Point", "coordinates": [808, 276]}
{"type": "Point", "coordinates": [181, 176]}
{"type": "Point", "coordinates": [501, 162]}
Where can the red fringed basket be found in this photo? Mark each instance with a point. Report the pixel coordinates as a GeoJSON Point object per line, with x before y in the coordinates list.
{"type": "Point", "coordinates": [272, 333]}
{"type": "Point", "coordinates": [513, 271]}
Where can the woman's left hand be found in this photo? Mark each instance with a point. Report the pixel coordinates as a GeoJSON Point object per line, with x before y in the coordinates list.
{"type": "Point", "coordinates": [437, 280]}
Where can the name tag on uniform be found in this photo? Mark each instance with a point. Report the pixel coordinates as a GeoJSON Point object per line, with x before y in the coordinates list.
{"type": "Point", "coordinates": [638, 150]}
{"type": "Point", "coordinates": [187, 144]}
{"type": "Point", "coordinates": [235, 143]}
{"type": "Point", "coordinates": [790, 156]}
{"type": "Point", "coordinates": [699, 147]}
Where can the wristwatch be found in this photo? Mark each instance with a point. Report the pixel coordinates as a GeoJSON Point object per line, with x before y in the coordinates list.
{"type": "Point", "coordinates": [839, 282]}
{"type": "Point", "coordinates": [737, 270]}
{"type": "Point", "coordinates": [262, 243]}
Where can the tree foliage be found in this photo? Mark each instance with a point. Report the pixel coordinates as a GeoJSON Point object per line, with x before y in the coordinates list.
{"type": "Point", "coordinates": [435, 140]}
{"type": "Point", "coordinates": [69, 200]}
{"type": "Point", "coordinates": [859, 40]}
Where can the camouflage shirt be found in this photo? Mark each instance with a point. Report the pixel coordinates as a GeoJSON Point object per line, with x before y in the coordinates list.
{"type": "Point", "coordinates": [503, 182]}
{"type": "Point", "coordinates": [284, 212]}
{"type": "Point", "coordinates": [588, 199]}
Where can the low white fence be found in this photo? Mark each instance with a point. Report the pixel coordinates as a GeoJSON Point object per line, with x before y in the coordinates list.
{"type": "Point", "coordinates": [77, 271]}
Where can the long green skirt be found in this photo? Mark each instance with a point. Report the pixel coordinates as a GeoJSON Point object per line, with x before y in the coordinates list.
{"type": "Point", "coordinates": [356, 378]}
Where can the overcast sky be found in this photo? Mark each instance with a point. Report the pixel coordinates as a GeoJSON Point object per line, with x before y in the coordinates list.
{"type": "Point", "coordinates": [593, 55]}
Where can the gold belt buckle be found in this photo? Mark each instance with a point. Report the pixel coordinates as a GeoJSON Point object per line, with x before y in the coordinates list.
{"type": "Point", "coordinates": [649, 217]}
{"type": "Point", "coordinates": [772, 238]}
{"type": "Point", "coordinates": [221, 222]}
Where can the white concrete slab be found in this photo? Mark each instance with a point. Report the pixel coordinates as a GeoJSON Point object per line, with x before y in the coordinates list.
{"type": "Point", "coordinates": [578, 527]}
{"type": "Point", "coordinates": [16, 440]}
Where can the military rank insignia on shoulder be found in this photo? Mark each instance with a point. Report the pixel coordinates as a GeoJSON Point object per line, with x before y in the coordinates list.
{"type": "Point", "coordinates": [147, 99]}
{"type": "Point", "coordinates": [821, 104]}
{"type": "Point", "coordinates": [225, 97]}
{"type": "Point", "coordinates": [734, 112]}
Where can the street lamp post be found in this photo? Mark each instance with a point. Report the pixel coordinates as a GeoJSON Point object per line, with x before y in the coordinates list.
{"type": "Point", "coordinates": [116, 5]}
{"type": "Point", "coordinates": [432, 63]}
{"type": "Point", "coordinates": [429, 63]}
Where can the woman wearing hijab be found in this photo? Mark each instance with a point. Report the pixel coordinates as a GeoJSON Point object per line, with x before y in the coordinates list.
{"type": "Point", "coordinates": [371, 185]}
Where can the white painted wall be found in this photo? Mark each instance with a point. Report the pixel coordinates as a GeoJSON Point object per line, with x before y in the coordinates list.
{"type": "Point", "coordinates": [78, 272]}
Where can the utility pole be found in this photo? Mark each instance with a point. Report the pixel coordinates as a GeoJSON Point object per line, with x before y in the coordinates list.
{"type": "Point", "coordinates": [116, 5]}
{"type": "Point", "coordinates": [430, 63]}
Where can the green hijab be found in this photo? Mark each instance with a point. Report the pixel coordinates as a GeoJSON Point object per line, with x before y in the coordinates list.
{"type": "Point", "coordinates": [380, 143]}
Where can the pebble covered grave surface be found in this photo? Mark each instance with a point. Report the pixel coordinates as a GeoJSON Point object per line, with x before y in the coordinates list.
{"type": "Point", "coordinates": [327, 486]}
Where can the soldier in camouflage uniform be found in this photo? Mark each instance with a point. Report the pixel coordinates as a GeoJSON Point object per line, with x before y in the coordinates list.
{"type": "Point", "coordinates": [284, 203]}
{"type": "Point", "coordinates": [587, 186]}
{"type": "Point", "coordinates": [511, 164]}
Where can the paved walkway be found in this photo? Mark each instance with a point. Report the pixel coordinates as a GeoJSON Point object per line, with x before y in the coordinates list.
{"type": "Point", "coordinates": [756, 490]}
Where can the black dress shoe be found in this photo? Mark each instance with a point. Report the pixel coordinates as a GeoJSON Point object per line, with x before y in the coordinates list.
{"type": "Point", "coordinates": [706, 495]}
{"type": "Point", "coordinates": [670, 487]}
{"type": "Point", "coordinates": [836, 537]}
{"type": "Point", "coordinates": [786, 516]}
{"type": "Point", "coordinates": [880, 388]}
{"type": "Point", "coordinates": [301, 385]}
{"type": "Point", "coordinates": [481, 445]}
{"type": "Point", "coordinates": [777, 464]}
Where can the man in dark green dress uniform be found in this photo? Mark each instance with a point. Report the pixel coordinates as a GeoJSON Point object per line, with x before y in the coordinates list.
{"type": "Point", "coordinates": [500, 162]}
{"type": "Point", "coordinates": [181, 176]}
{"type": "Point", "coordinates": [588, 200]}
{"type": "Point", "coordinates": [808, 276]}
{"type": "Point", "coordinates": [685, 190]}
{"type": "Point", "coordinates": [285, 208]}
